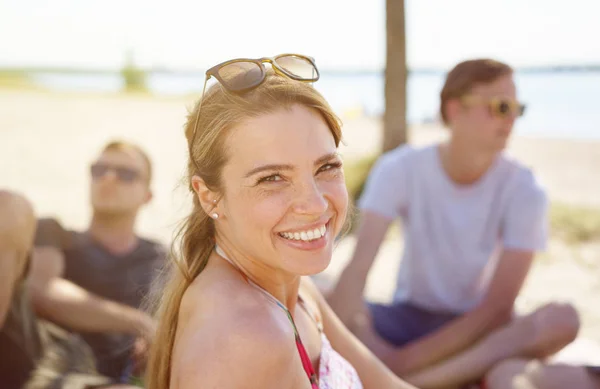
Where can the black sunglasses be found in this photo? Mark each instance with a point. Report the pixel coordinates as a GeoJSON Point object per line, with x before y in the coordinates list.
{"type": "Point", "coordinates": [124, 174]}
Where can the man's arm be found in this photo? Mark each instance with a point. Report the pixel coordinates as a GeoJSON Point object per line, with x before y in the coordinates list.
{"type": "Point", "coordinates": [67, 304]}
{"type": "Point", "coordinates": [384, 196]}
{"type": "Point", "coordinates": [346, 300]}
{"type": "Point", "coordinates": [494, 311]}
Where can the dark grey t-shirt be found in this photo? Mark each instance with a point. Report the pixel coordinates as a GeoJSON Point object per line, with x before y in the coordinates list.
{"type": "Point", "coordinates": [125, 279]}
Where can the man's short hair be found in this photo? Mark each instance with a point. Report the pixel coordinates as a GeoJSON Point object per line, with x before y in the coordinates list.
{"type": "Point", "coordinates": [464, 76]}
{"type": "Point", "coordinates": [121, 145]}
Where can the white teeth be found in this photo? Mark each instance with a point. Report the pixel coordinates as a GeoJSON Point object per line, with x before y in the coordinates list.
{"type": "Point", "coordinates": [317, 233]}
{"type": "Point", "coordinates": [306, 235]}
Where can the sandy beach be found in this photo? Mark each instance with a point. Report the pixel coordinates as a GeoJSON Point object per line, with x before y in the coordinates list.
{"type": "Point", "coordinates": [48, 140]}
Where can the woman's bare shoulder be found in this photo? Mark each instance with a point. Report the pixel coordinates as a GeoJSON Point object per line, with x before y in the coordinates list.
{"type": "Point", "coordinates": [228, 336]}
{"type": "Point", "coordinates": [220, 296]}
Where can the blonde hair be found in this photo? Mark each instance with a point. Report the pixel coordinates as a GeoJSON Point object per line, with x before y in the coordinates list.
{"type": "Point", "coordinates": [220, 111]}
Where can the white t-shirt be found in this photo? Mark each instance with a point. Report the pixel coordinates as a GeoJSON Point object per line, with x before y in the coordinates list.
{"type": "Point", "coordinates": [454, 233]}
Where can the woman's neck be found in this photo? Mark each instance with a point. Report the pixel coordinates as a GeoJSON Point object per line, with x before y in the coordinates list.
{"type": "Point", "coordinates": [280, 285]}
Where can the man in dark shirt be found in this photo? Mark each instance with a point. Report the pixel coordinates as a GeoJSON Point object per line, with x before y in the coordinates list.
{"type": "Point", "coordinates": [112, 265]}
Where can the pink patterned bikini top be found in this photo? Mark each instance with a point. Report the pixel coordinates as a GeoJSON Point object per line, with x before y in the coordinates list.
{"type": "Point", "coordinates": [335, 372]}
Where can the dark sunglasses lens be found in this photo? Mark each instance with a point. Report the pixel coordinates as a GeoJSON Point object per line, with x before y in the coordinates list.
{"type": "Point", "coordinates": [504, 108]}
{"type": "Point", "coordinates": [98, 170]}
{"type": "Point", "coordinates": [123, 174]}
{"type": "Point", "coordinates": [298, 67]}
{"type": "Point", "coordinates": [241, 75]}
{"type": "Point", "coordinates": [126, 175]}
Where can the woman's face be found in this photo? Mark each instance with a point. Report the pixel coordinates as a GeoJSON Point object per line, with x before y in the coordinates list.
{"type": "Point", "coordinates": [284, 196]}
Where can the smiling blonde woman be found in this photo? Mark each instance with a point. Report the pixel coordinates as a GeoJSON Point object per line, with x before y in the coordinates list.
{"type": "Point", "coordinates": [268, 201]}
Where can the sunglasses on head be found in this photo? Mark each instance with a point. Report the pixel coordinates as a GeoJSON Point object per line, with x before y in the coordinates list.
{"type": "Point", "coordinates": [499, 107]}
{"type": "Point", "coordinates": [124, 174]}
{"type": "Point", "coordinates": [243, 74]}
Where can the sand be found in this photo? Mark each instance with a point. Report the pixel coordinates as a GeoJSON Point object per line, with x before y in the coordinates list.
{"type": "Point", "coordinates": [47, 141]}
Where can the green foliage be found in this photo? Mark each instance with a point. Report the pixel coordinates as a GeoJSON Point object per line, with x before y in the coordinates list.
{"type": "Point", "coordinates": [134, 78]}
{"type": "Point", "coordinates": [356, 173]}
{"type": "Point", "coordinates": [15, 78]}
{"type": "Point", "coordinates": [575, 224]}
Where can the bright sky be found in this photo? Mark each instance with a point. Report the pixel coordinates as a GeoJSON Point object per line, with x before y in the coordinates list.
{"type": "Point", "coordinates": [340, 34]}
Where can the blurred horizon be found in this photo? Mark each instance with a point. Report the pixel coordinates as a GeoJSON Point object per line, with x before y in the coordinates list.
{"type": "Point", "coordinates": [184, 35]}
{"type": "Point", "coordinates": [575, 67]}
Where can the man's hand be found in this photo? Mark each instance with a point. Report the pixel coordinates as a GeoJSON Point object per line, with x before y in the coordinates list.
{"type": "Point", "coordinates": [139, 355]}
{"type": "Point", "coordinates": [144, 329]}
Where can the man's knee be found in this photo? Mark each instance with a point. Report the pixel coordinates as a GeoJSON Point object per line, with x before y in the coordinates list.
{"type": "Point", "coordinates": [555, 325]}
{"type": "Point", "coordinates": [561, 319]}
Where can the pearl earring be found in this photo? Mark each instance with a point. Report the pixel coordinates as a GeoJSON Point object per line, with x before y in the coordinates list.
{"type": "Point", "coordinates": [215, 215]}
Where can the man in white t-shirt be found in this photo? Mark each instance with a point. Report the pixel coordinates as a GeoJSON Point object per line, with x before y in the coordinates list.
{"type": "Point", "coordinates": [473, 219]}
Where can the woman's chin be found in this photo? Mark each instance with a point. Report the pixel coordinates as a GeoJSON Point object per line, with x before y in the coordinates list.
{"type": "Point", "coordinates": [308, 264]}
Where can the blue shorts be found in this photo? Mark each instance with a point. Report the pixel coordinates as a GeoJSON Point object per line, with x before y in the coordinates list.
{"type": "Point", "coordinates": [401, 323]}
